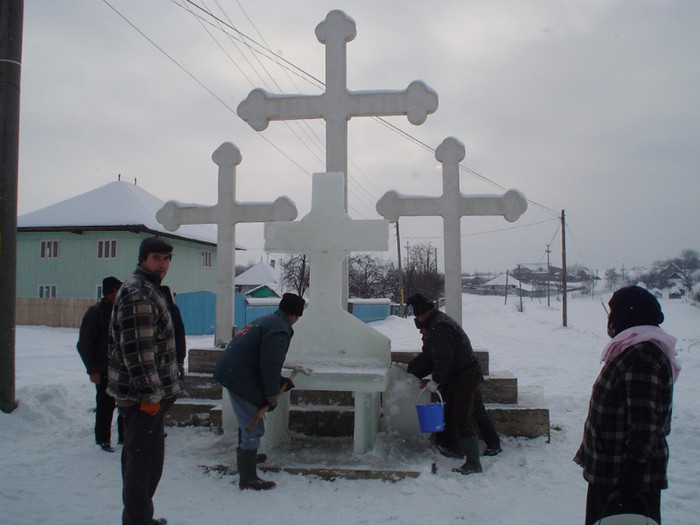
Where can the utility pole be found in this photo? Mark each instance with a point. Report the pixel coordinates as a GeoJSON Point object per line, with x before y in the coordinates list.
{"type": "Point", "coordinates": [548, 251]}
{"type": "Point", "coordinates": [398, 251]}
{"type": "Point", "coordinates": [11, 21]}
{"type": "Point", "coordinates": [563, 268]}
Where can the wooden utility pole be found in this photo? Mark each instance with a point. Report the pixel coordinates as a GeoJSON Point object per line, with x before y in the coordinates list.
{"type": "Point", "coordinates": [398, 252]}
{"type": "Point", "coordinates": [563, 268]}
{"type": "Point", "coordinates": [11, 20]}
{"type": "Point", "coordinates": [548, 252]}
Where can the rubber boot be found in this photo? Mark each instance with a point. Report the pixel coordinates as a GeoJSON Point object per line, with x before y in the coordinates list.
{"type": "Point", "coordinates": [472, 465]}
{"type": "Point", "coordinates": [262, 458]}
{"type": "Point", "coordinates": [247, 471]}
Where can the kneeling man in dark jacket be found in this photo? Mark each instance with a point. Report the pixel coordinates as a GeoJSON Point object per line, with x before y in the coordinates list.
{"type": "Point", "coordinates": [251, 371]}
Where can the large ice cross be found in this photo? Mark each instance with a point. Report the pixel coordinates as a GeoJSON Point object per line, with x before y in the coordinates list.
{"type": "Point", "coordinates": [338, 105]}
{"type": "Point", "coordinates": [225, 214]}
{"type": "Point", "coordinates": [328, 235]}
{"type": "Point", "coordinates": [452, 205]}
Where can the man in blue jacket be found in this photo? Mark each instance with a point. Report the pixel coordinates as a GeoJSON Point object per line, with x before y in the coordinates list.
{"type": "Point", "coordinates": [251, 371]}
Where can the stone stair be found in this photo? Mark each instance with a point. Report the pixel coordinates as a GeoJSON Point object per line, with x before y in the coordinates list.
{"type": "Point", "coordinates": [322, 413]}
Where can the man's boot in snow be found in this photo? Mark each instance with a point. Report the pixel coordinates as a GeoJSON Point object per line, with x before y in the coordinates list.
{"type": "Point", "coordinates": [247, 471]}
{"type": "Point", "coordinates": [470, 446]}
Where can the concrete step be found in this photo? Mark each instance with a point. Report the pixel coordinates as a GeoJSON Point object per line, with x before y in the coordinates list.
{"type": "Point", "coordinates": [191, 412]}
{"type": "Point", "coordinates": [203, 360]}
{"type": "Point", "coordinates": [202, 386]}
{"type": "Point", "coordinates": [337, 421]}
{"type": "Point", "coordinates": [495, 389]}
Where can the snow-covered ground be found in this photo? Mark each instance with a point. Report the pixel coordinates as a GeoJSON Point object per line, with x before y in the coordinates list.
{"type": "Point", "coordinates": [53, 473]}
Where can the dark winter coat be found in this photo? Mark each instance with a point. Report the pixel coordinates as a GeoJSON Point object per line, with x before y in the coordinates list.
{"type": "Point", "coordinates": [142, 360]}
{"type": "Point", "coordinates": [94, 336]}
{"type": "Point", "coordinates": [251, 365]}
{"type": "Point", "coordinates": [447, 351]}
{"type": "Point", "coordinates": [178, 326]}
{"type": "Point", "coordinates": [629, 417]}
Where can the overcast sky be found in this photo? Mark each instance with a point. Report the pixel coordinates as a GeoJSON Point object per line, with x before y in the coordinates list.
{"type": "Point", "coordinates": [585, 106]}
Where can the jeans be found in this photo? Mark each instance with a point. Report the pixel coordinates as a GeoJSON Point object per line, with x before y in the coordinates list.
{"type": "Point", "coordinates": [245, 412]}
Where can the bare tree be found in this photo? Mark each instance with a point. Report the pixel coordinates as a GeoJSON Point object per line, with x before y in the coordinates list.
{"type": "Point", "coordinates": [421, 274]}
{"type": "Point", "coordinates": [369, 276]}
{"type": "Point", "coordinates": [295, 273]}
{"type": "Point", "coordinates": [688, 265]}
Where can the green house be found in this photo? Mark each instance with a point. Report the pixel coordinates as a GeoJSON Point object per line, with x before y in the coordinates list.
{"type": "Point", "coordinates": [66, 249]}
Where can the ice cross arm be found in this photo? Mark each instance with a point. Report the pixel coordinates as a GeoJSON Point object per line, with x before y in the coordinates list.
{"type": "Point", "coordinates": [327, 229]}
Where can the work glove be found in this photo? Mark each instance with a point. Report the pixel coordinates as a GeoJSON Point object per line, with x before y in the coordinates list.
{"type": "Point", "coordinates": [150, 408]}
{"type": "Point", "coordinates": [286, 383]}
{"type": "Point", "coordinates": [631, 478]}
{"type": "Point", "coordinates": [272, 401]}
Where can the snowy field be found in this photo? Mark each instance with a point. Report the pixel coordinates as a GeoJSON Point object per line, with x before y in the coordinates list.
{"type": "Point", "coordinates": [53, 473]}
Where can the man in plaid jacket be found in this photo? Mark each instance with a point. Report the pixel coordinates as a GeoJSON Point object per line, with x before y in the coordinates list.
{"type": "Point", "coordinates": [624, 453]}
{"type": "Point", "coordinates": [143, 377]}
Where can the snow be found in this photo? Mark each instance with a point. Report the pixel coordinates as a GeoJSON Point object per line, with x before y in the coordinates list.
{"type": "Point", "coordinates": [53, 472]}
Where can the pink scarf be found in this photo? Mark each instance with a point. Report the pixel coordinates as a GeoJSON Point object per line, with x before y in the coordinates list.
{"type": "Point", "coordinates": [640, 334]}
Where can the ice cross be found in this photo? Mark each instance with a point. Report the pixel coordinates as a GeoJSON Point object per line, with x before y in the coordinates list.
{"type": "Point", "coordinates": [327, 234]}
{"type": "Point", "coordinates": [452, 205]}
{"type": "Point", "coordinates": [338, 105]}
{"type": "Point", "coordinates": [225, 214]}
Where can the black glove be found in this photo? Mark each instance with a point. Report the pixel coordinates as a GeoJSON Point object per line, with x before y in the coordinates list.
{"type": "Point", "coordinates": [631, 478]}
{"type": "Point", "coordinates": [286, 381]}
{"type": "Point", "coordinates": [272, 401]}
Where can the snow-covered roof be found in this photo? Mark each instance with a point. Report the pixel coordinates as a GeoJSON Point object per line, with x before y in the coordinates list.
{"type": "Point", "coordinates": [500, 280]}
{"type": "Point", "coordinates": [116, 204]}
{"type": "Point", "coordinates": [260, 273]}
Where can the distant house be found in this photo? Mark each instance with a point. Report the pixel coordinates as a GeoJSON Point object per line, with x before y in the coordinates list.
{"type": "Point", "coordinates": [260, 280]}
{"type": "Point", "coordinates": [502, 283]}
{"type": "Point", "coordinates": [66, 249]}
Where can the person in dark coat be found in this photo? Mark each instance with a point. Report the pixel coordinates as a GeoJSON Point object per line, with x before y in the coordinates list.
{"type": "Point", "coordinates": [447, 355]}
{"type": "Point", "coordinates": [445, 440]}
{"type": "Point", "coordinates": [143, 377]}
{"type": "Point", "coordinates": [179, 328]}
{"type": "Point", "coordinates": [92, 347]}
{"type": "Point", "coordinates": [251, 371]}
{"type": "Point", "coordinates": [624, 453]}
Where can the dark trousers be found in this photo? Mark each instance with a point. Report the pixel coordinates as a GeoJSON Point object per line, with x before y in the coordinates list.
{"type": "Point", "coordinates": [598, 506]}
{"type": "Point", "coordinates": [459, 395]}
{"type": "Point", "coordinates": [142, 463]}
{"type": "Point", "coordinates": [104, 410]}
{"type": "Point", "coordinates": [483, 421]}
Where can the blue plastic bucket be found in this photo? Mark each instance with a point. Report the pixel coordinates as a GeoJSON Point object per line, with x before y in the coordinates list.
{"type": "Point", "coordinates": [431, 417]}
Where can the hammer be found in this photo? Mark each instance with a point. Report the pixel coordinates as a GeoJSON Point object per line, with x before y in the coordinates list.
{"type": "Point", "coordinates": [295, 370]}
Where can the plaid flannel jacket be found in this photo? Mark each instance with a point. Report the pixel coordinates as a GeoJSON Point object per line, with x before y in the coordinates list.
{"type": "Point", "coordinates": [142, 360]}
{"type": "Point", "coordinates": [629, 417]}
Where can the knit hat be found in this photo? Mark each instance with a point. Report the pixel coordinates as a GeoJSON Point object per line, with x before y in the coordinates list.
{"type": "Point", "coordinates": [110, 284]}
{"type": "Point", "coordinates": [292, 304]}
{"type": "Point", "coordinates": [154, 245]}
{"type": "Point", "coordinates": [633, 306]}
{"type": "Point", "coordinates": [420, 304]}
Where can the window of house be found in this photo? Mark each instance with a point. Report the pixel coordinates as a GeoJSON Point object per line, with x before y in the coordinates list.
{"type": "Point", "coordinates": [49, 249]}
{"type": "Point", "coordinates": [47, 291]}
{"type": "Point", "coordinates": [107, 249]}
{"type": "Point", "coordinates": [206, 258]}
